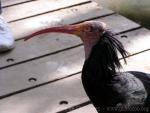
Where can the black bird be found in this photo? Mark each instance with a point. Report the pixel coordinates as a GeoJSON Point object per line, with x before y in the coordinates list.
{"type": "Point", "coordinates": [109, 89]}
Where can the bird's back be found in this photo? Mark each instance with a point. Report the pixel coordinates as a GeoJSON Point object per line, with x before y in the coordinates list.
{"type": "Point", "coordinates": [145, 79]}
{"type": "Point", "coordinates": [125, 91]}
{"type": "Point", "coordinates": [131, 88]}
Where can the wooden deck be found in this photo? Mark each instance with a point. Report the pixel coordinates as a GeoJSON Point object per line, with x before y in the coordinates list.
{"type": "Point", "coordinates": [43, 75]}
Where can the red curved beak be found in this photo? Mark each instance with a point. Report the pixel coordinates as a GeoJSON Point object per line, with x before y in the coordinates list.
{"type": "Point", "coordinates": [69, 29]}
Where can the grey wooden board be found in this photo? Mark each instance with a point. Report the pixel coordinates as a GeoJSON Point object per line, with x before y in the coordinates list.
{"type": "Point", "coordinates": [12, 2]}
{"type": "Point", "coordinates": [65, 16]}
{"type": "Point", "coordinates": [15, 70]}
{"type": "Point", "coordinates": [52, 43]}
{"type": "Point", "coordinates": [86, 109]}
{"type": "Point", "coordinates": [138, 62]}
{"type": "Point", "coordinates": [36, 7]}
{"type": "Point", "coordinates": [35, 48]}
{"type": "Point", "coordinates": [46, 99]}
{"type": "Point", "coordinates": [114, 21]}
{"type": "Point", "coordinates": [136, 41]}
{"type": "Point", "coordinates": [44, 69]}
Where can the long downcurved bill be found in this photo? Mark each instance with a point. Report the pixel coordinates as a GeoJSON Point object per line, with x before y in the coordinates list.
{"type": "Point", "coordinates": [69, 29]}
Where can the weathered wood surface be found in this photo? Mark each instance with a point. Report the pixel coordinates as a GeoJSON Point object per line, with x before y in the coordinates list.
{"type": "Point", "coordinates": [36, 7]}
{"type": "Point", "coordinates": [138, 62]}
{"type": "Point", "coordinates": [47, 71]}
{"type": "Point", "coordinates": [6, 3]}
{"type": "Point", "coordinates": [117, 20]}
{"type": "Point", "coordinates": [86, 109]}
{"type": "Point", "coordinates": [50, 43]}
{"type": "Point", "coordinates": [65, 16]}
{"type": "Point", "coordinates": [136, 41]}
{"type": "Point", "coordinates": [49, 67]}
{"type": "Point", "coordinates": [47, 98]}
{"type": "Point", "coordinates": [44, 69]}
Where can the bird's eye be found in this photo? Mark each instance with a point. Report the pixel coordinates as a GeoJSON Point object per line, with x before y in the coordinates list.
{"type": "Point", "coordinates": [88, 29]}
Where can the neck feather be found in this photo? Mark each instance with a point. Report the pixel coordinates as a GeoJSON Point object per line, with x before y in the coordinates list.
{"type": "Point", "coordinates": [103, 59]}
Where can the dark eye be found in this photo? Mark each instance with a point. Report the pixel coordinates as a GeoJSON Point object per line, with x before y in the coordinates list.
{"type": "Point", "coordinates": [88, 29]}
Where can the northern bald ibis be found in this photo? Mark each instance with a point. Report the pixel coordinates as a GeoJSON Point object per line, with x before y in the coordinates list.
{"type": "Point", "coordinates": [109, 89]}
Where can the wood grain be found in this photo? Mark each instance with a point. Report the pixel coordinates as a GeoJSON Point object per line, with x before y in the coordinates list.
{"type": "Point", "coordinates": [71, 15]}
{"type": "Point", "coordinates": [44, 69]}
{"type": "Point", "coordinates": [47, 98]}
{"type": "Point", "coordinates": [36, 7]}
{"type": "Point", "coordinates": [134, 42]}
{"type": "Point", "coordinates": [86, 109]}
{"type": "Point", "coordinates": [6, 3]}
{"type": "Point", "coordinates": [117, 20]}
{"type": "Point", "coordinates": [53, 67]}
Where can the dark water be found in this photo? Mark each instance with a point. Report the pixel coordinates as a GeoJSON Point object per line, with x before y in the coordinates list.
{"type": "Point", "coordinates": [136, 10]}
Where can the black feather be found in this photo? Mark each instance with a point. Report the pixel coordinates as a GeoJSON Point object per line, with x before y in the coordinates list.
{"type": "Point", "coordinates": [99, 74]}
{"type": "Point", "coordinates": [109, 45]}
{"type": "Point", "coordinates": [104, 55]}
{"type": "Point", "coordinates": [101, 66]}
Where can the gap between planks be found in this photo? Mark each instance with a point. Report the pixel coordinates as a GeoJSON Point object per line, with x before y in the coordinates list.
{"type": "Point", "coordinates": [37, 8]}
{"type": "Point", "coordinates": [52, 94]}
{"type": "Point", "coordinates": [10, 3]}
{"type": "Point", "coordinates": [13, 71]}
{"type": "Point", "coordinates": [129, 42]}
{"type": "Point", "coordinates": [135, 63]}
{"type": "Point", "coordinates": [130, 65]}
{"type": "Point", "coordinates": [23, 50]}
{"type": "Point", "coordinates": [55, 80]}
{"type": "Point", "coordinates": [66, 16]}
{"type": "Point", "coordinates": [23, 53]}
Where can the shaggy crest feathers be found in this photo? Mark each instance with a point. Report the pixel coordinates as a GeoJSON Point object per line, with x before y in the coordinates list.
{"type": "Point", "coordinates": [105, 52]}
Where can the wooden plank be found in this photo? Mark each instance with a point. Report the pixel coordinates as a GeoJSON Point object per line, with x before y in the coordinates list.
{"type": "Point", "coordinates": [65, 16]}
{"type": "Point", "coordinates": [6, 3]}
{"type": "Point", "coordinates": [86, 109]}
{"type": "Point", "coordinates": [54, 42]}
{"type": "Point", "coordinates": [136, 41]}
{"type": "Point", "coordinates": [114, 21]}
{"type": "Point", "coordinates": [25, 73]}
{"type": "Point", "coordinates": [138, 62]}
{"type": "Point", "coordinates": [36, 7]}
{"type": "Point", "coordinates": [35, 48]}
{"type": "Point", "coordinates": [46, 99]}
{"type": "Point", "coordinates": [46, 69]}
{"type": "Point", "coordinates": [43, 69]}
{"type": "Point", "coordinates": [24, 52]}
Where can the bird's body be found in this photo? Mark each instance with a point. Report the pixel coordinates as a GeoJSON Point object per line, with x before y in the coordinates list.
{"type": "Point", "coordinates": [123, 92]}
{"type": "Point", "coordinates": [109, 89]}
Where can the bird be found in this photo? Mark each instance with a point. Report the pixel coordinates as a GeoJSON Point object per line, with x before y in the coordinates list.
{"type": "Point", "coordinates": [110, 89]}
